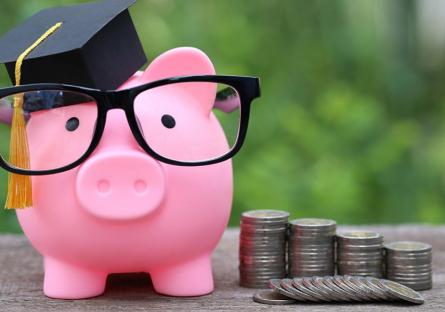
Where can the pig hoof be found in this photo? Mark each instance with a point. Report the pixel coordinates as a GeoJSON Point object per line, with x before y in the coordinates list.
{"type": "Point", "coordinates": [66, 281]}
{"type": "Point", "coordinates": [193, 278]}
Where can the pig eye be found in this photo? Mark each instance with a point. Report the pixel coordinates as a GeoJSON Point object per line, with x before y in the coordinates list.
{"type": "Point", "coordinates": [72, 124]}
{"type": "Point", "coordinates": [168, 121]}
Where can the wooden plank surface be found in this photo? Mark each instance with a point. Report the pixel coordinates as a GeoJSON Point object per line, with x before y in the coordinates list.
{"type": "Point", "coordinates": [21, 278]}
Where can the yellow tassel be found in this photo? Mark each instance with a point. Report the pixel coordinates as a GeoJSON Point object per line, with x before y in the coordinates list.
{"type": "Point", "coordinates": [19, 186]}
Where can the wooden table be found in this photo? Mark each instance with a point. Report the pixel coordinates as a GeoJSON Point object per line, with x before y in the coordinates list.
{"type": "Point", "coordinates": [21, 277]}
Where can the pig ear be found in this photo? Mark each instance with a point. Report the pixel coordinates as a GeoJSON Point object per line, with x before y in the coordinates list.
{"type": "Point", "coordinates": [184, 62]}
{"type": "Point", "coordinates": [5, 112]}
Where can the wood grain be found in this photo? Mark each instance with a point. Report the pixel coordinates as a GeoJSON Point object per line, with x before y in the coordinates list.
{"type": "Point", "coordinates": [21, 278]}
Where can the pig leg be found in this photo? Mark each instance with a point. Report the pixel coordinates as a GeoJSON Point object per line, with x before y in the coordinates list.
{"type": "Point", "coordinates": [67, 281]}
{"type": "Point", "coordinates": [191, 278]}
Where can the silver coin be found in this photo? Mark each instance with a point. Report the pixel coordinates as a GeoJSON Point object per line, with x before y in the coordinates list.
{"type": "Point", "coordinates": [372, 270]}
{"type": "Point", "coordinates": [361, 283]}
{"type": "Point", "coordinates": [409, 265]}
{"type": "Point", "coordinates": [314, 261]}
{"type": "Point", "coordinates": [260, 241]}
{"type": "Point", "coordinates": [417, 286]}
{"type": "Point", "coordinates": [410, 276]}
{"type": "Point", "coordinates": [408, 246]}
{"type": "Point", "coordinates": [374, 283]}
{"type": "Point", "coordinates": [354, 235]}
{"type": "Point", "coordinates": [359, 248]}
{"type": "Point", "coordinates": [259, 268]}
{"type": "Point", "coordinates": [262, 269]}
{"type": "Point", "coordinates": [376, 275]}
{"type": "Point", "coordinates": [288, 285]}
{"type": "Point", "coordinates": [359, 262]}
{"type": "Point", "coordinates": [272, 297]}
{"type": "Point", "coordinates": [360, 268]}
{"type": "Point", "coordinates": [298, 232]}
{"type": "Point", "coordinates": [259, 222]}
{"type": "Point", "coordinates": [248, 231]}
{"type": "Point", "coordinates": [261, 276]}
{"type": "Point", "coordinates": [311, 250]}
{"type": "Point", "coordinates": [298, 283]}
{"type": "Point", "coordinates": [260, 273]}
{"type": "Point", "coordinates": [309, 283]}
{"type": "Point", "coordinates": [272, 256]}
{"type": "Point", "coordinates": [350, 281]}
{"type": "Point", "coordinates": [275, 284]}
{"type": "Point", "coordinates": [258, 255]}
{"type": "Point", "coordinates": [266, 231]}
{"type": "Point", "coordinates": [263, 273]}
{"type": "Point", "coordinates": [313, 222]}
{"type": "Point", "coordinates": [402, 292]}
{"type": "Point", "coordinates": [410, 262]}
{"type": "Point", "coordinates": [247, 252]}
{"type": "Point", "coordinates": [309, 269]}
{"type": "Point", "coordinates": [264, 248]}
{"type": "Point", "coordinates": [409, 258]}
{"type": "Point", "coordinates": [349, 294]}
{"type": "Point", "coordinates": [415, 275]}
{"type": "Point", "coordinates": [263, 236]}
{"type": "Point", "coordinates": [279, 242]}
{"type": "Point", "coordinates": [293, 274]}
{"type": "Point", "coordinates": [342, 283]}
{"type": "Point", "coordinates": [361, 255]}
{"type": "Point", "coordinates": [312, 255]}
{"type": "Point", "coordinates": [307, 259]}
{"type": "Point", "coordinates": [311, 236]}
{"type": "Point", "coordinates": [265, 215]}
{"type": "Point", "coordinates": [263, 264]}
{"type": "Point", "coordinates": [407, 254]}
{"type": "Point", "coordinates": [310, 272]}
{"type": "Point", "coordinates": [310, 245]}
{"type": "Point", "coordinates": [264, 225]}
{"type": "Point", "coordinates": [424, 262]}
{"type": "Point", "coordinates": [279, 245]}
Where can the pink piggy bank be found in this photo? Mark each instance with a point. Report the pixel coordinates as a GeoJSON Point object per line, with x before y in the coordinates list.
{"type": "Point", "coordinates": [123, 211]}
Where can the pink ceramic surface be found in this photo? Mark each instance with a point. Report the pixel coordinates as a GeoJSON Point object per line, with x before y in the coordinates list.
{"type": "Point", "coordinates": [121, 210]}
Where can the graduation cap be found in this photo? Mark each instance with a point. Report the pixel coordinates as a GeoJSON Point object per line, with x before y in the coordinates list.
{"type": "Point", "coordinates": [93, 45]}
{"type": "Point", "coordinates": [96, 46]}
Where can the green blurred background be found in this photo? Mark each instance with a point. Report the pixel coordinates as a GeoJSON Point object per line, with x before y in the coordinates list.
{"type": "Point", "coordinates": [351, 122]}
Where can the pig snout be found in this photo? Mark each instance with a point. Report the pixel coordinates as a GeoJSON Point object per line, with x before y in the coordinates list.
{"type": "Point", "coordinates": [120, 185]}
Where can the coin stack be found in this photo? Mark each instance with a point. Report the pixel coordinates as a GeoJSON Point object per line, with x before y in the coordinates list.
{"type": "Point", "coordinates": [262, 248]}
{"type": "Point", "coordinates": [311, 247]}
{"type": "Point", "coordinates": [336, 289]}
{"type": "Point", "coordinates": [409, 263]}
{"type": "Point", "coordinates": [360, 253]}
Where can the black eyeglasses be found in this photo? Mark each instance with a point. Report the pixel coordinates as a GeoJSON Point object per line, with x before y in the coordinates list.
{"type": "Point", "coordinates": [185, 121]}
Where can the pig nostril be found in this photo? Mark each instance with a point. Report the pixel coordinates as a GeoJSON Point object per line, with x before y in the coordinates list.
{"type": "Point", "coordinates": [103, 186]}
{"type": "Point", "coordinates": [140, 186]}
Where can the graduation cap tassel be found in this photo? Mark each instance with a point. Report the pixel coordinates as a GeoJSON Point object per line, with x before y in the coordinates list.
{"type": "Point", "coordinates": [19, 186]}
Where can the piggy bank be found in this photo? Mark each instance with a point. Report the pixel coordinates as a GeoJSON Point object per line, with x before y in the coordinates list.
{"type": "Point", "coordinates": [123, 211]}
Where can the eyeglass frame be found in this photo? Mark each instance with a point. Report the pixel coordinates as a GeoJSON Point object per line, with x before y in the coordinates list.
{"type": "Point", "coordinates": [248, 89]}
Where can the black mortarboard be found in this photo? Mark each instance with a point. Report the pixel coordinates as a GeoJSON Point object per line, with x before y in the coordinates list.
{"type": "Point", "coordinates": [97, 46]}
